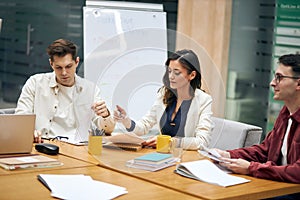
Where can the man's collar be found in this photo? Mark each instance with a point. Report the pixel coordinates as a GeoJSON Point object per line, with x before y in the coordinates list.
{"type": "Point", "coordinates": [53, 82]}
{"type": "Point", "coordinates": [78, 82]}
{"type": "Point", "coordinates": [295, 116]}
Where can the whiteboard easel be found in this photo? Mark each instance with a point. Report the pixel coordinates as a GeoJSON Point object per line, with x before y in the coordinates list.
{"type": "Point", "coordinates": [124, 52]}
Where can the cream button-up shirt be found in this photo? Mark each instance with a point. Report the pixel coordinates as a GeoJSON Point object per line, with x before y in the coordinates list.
{"type": "Point", "coordinates": [62, 111]}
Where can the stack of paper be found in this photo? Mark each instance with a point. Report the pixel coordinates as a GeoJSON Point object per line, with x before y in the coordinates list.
{"type": "Point", "coordinates": [152, 161]}
{"type": "Point", "coordinates": [124, 141]}
{"type": "Point", "coordinates": [28, 161]}
{"type": "Point", "coordinates": [206, 171]}
{"type": "Point", "coordinates": [80, 187]}
{"type": "Point", "coordinates": [129, 138]}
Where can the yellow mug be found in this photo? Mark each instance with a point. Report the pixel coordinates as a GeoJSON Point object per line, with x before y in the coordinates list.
{"type": "Point", "coordinates": [163, 143]}
{"type": "Point", "coordinates": [95, 145]}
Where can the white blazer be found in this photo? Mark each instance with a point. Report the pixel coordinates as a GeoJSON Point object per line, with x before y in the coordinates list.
{"type": "Point", "coordinates": [198, 125]}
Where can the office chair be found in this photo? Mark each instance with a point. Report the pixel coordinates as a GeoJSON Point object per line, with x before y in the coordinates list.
{"type": "Point", "coordinates": [228, 134]}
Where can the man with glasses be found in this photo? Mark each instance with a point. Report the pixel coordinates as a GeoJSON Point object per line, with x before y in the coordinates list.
{"type": "Point", "coordinates": [65, 104]}
{"type": "Point", "coordinates": [278, 156]}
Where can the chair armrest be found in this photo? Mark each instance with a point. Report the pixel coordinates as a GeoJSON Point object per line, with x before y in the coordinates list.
{"type": "Point", "coordinates": [253, 137]}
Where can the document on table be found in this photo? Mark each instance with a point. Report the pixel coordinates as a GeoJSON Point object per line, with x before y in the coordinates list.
{"type": "Point", "coordinates": [129, 138]}
{"type": "Point", "coordinates": [210, 155]}
{"type": "Point", "coordinates": [205, 170]}
{"type": "Point", "coordinates": [73, 140]}
{"type": "Point", "coordinates": [80, 187]}
{"type": "Point", "coordinates": [12, 162]}
{"type": "Point", "coordinates": [76, 142]}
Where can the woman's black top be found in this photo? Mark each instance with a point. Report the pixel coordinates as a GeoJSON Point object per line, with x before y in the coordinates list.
{"type": "Point", "coordinates": [176, 126]}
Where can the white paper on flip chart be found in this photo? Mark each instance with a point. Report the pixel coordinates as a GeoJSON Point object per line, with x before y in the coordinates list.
{"type": "Point", "coordinates": [80, 187]}
{"type": "Point", "coordinates": [206, 171]}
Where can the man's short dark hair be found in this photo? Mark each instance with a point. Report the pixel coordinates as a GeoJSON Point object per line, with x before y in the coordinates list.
{"type": "Point", "coordinates": [292, 60]}
{"type": "Point", "coordinates": [62, 47]}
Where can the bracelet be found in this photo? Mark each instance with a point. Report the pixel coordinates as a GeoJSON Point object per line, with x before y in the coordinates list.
{"type": "Point", "coordinates": [107, 114]}
{"type": "Point", "coordinates": [131, 127]}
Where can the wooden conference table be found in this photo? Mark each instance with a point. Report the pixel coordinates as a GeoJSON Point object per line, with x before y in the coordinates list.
{"type": "Point", "coordinates": [23, 184]}
{"type": "Point", "coordinates": [115, 159]}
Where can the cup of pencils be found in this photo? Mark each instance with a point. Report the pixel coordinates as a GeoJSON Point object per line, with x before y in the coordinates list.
{"type": "Point", "coordinates": [95, 141]}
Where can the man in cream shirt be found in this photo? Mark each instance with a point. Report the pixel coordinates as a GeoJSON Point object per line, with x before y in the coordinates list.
{"type": "Point", "coordinates": [64, 103]}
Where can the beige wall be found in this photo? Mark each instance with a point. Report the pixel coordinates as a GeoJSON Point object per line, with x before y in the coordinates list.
{"type": "Point", "coordinates": [204, 26]}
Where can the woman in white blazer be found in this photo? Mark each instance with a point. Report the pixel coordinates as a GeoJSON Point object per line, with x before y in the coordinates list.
{"type": "Point", "coordinates": [181, 108]}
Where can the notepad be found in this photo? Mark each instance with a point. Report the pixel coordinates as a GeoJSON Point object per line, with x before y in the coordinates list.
{"type": "Point", "coordinates": [123, 146]}
{"type": "Point", "coordinates": [28, 161]}
{"type": "Point", "coordinates": [129, 138]}
{"type": "Point", "coordinates": [124, 141]}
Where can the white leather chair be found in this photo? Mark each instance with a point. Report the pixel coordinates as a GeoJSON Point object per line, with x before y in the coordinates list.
{"type": "Point", "coordinates": [7, 111]}
{"type": "Point", "coordinates": [228, 134]}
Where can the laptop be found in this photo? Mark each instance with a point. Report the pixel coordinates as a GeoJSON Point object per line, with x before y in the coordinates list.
{"type": "Point", "coordinates": [16, 133]}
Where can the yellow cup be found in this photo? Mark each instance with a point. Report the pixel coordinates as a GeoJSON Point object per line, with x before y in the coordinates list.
{"type": "Point", "coordinates": [95, 145]}
{"type": "Point", "coordinates": [163, 143]}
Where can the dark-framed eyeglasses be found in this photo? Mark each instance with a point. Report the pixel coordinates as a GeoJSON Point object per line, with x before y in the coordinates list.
{"type": "Point", "coordinates": [279, 77]}
{"type": "Point", "coordinates": [60, 138]}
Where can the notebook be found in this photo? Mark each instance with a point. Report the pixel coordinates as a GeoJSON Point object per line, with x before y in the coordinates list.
{"type": "Point", "coordinates": [123, 146]}
{"type": "Point", "coordinates": [16, 133]}
{"type": "Point", "coordinates": [28, 161]}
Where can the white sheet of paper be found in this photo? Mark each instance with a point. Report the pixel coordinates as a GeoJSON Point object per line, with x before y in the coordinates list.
{"type": "Point", "coordinates": [74, 140]}
{"type": "Point", "coordinates": [81, 187]}
{"type": "Point", "coordinates": [207, 154]}
{"type": "Point", "coordinates": [208, 172]}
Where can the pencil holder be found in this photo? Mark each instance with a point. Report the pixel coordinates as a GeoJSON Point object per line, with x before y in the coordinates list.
{"type": "Point", "coordinates": [95, 145]}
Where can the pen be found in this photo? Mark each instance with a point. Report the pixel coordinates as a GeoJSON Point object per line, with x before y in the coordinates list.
{"type": "Point", "coordinates": [121, 116]}
{"type": "Point", "coordinates": [94, 131]}
{"type": "Point", "coordinates": [99, 132]}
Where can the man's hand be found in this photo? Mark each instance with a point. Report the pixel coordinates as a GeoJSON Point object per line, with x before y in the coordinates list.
{"type": "Point", "coordinates": [224, 154]}
{"type": "Point", "coordinates": [239, 166]}
{"type": "Point", "coordinates": [100, 109]}
{"type": "Point", "coordinates": [37, 137]}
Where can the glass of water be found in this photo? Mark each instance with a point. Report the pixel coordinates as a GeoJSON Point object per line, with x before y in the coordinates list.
{"type": "Point", "coordinates": [177, 147]}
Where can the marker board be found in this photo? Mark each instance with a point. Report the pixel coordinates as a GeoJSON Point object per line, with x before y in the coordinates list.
{"type": "Point", "coordinates": [124, 54]}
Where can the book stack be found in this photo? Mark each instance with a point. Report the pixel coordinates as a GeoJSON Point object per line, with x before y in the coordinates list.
{"type": "Point", "coordinates": [28, 161]}
{"type": "Point", "coordinates": [152, 161]}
